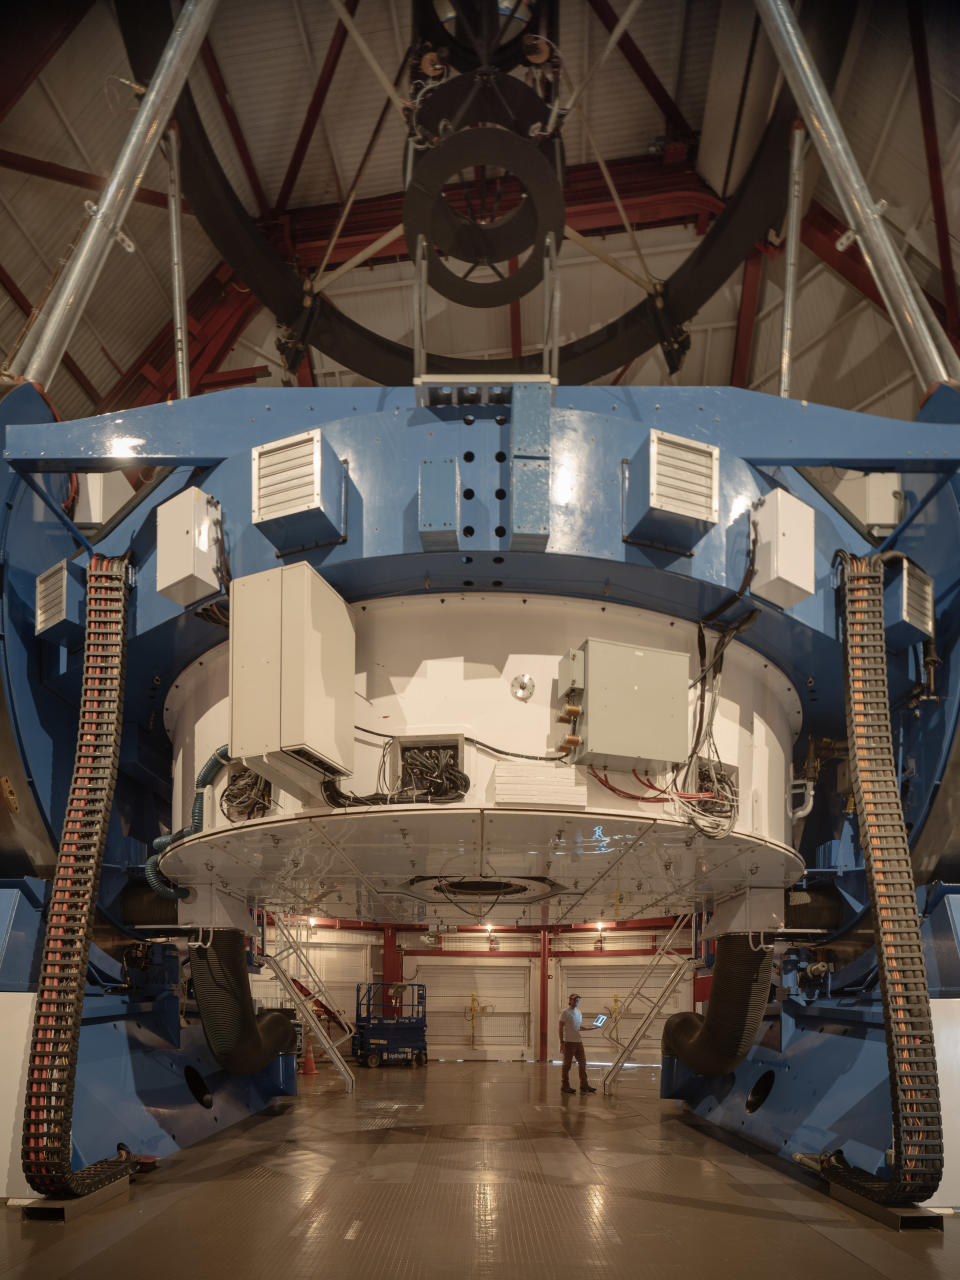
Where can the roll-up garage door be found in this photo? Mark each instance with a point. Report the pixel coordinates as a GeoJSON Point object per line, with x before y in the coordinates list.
{"type": "Point", "coordinates": [341, 966]}
{"type": "Point", "coordinates": [476, 1010]}
{"type": "Point", "coordinates": [603, 988]}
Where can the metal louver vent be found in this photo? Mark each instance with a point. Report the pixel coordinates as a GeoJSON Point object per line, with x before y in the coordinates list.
{"type": "Point", "coordinates": [908, 609]}
{"type": "Point", "coordinates": [684, 477]}
{"type": "Point", "coordinates": [286, 477]}
{"type": "Point", "coordinates": [918, 599]}
{"type": "Point", "coordinates": [51, 598]}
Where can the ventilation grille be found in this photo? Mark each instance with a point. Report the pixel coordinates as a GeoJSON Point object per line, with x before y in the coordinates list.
{"type": "Point", "coordinates": [918, 599]}
{"type": "Point", "coordinates": [684, 477]}
{"type": "Point", "coordinates": [286, 477]}
{"type": "Point", "coordinates": [51, 599]}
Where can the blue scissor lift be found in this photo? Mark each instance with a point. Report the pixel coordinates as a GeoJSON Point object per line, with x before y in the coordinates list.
{"type": "Point", "coordinates": [391, 1023]}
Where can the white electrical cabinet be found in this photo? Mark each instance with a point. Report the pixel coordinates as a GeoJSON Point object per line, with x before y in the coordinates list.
{"type": "Point", "coordinates": [786, 562]}
{"type": "Point", "coordinates": [292, 660]}
{"type": "Point", "coordinates": [187, 533]}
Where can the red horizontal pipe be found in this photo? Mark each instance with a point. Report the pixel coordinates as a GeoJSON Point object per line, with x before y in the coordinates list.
{"type": "Point", "coordinates": [652, 922]}
{"type": "Point", "coordinates": [332, 922]}
{"type": "Point", "coordinates": [473, 955]}
{"type": "Point", "coordinates": [648, 922]}
{"type": "Point", "coordinates": [607, 952]}
{"type": "Point", "coordinates": [534, 953]}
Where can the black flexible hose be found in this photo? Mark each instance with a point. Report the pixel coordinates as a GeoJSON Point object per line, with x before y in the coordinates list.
{"type": "Point", "coordinates": [159, 883]}
{"type": "Point", "coordinates": [241, 1042]}
{"type": "Point", "coordinates": [714, 1043]}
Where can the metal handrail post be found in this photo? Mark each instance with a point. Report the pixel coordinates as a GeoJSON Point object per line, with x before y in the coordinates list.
{"type": "Point", "coordinates": [797, 140]}
{"type": "Point", "coordinates": [38, 362]}
{"type": "Point", "coordinates": [884, 261]}
{"type": "Point", "coordinates": [180, 335]}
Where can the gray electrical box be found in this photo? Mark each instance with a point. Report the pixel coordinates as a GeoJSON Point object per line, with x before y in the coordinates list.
{"type": "Point", "coordinates": [635, 704]}
{"type": "Point", "coordinates": [570, 672]}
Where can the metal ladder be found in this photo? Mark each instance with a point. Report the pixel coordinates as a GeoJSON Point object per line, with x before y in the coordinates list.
{"type": "Point", "coordinates": [681, 967]}
{"type": "Point", "coordinates": [291, 947]}
{"type": "Point", "coordinates": [311, 1023]}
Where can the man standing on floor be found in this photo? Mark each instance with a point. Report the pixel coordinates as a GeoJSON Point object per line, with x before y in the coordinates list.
{"type": "Point", "coordinates": [571, 1046]}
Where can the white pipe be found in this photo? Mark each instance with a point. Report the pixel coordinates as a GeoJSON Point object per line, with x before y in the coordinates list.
{"type": "Point", "coordinates": [797, 140]}
{"type": "Point", "coordinates": [180, 331]}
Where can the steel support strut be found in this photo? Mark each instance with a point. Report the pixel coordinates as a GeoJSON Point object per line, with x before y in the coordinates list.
{"type": "Point", "coordinates": [43, 349]}
{"type": "Point", "coordinates": [882, 257]}
{"type": "Point", "coordinates": [180, 331]}
{"type": "Point", "coordinates": [794, 214]}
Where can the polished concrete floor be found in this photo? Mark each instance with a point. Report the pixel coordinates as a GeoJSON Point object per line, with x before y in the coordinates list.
{"type": "Point", "coordinates": [471, 1170]}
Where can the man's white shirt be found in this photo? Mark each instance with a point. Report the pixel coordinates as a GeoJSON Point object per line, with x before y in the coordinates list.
{"type": "Point", "coordinates": [571, 1019]}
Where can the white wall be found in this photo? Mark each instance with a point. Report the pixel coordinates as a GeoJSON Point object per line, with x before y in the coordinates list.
{"type": "Point", "coordinates": [485, 1006]}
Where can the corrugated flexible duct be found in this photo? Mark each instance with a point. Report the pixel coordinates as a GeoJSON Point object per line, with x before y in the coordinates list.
{"type": "Point", "coordinates": [714, 1043]}
{"type": "Point", "coordinates": [241, 1042]}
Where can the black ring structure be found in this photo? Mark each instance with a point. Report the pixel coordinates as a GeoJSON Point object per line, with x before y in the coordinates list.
{"type": "Point", "coordinates": [491, 147]}
{"type": "Point", "coordinates": [757, 205]}
{"type": "Point", "coordinates": [463, 103]}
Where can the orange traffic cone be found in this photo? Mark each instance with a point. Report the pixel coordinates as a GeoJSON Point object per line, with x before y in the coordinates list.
{"type": "Point", "coordinates": [309, 1067]}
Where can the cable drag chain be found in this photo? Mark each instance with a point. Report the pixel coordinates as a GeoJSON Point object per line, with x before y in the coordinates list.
{"type": "Point", "coordinates": [51, 1073]}
{"type": "Point", "coordinates": [914, 1088]}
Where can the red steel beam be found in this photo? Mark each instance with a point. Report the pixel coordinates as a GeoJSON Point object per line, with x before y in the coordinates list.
{"type": "Point", "coordinates": [219, 310]}
{"type": "Point", "coordinates": [648, 77]}
{"type": "Point", "coordinates": [544, 992]}
{"type": "Point", "coordinates": [324, 81]}
{"type": "Point", "coordinates": [74, 177]}
{"type": "Point", "coordinates": [32, 34]}
{"type": "Point", "coordinates": [921, 63]}
{"type": "Point", "coordinates": [233, 124]}
{"type": "Point", "coordinates": [23, 302]}
{"type": "Point", "coordinates": [749, 296]}
{"type": "Point", "coordinates": [230, 321]}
